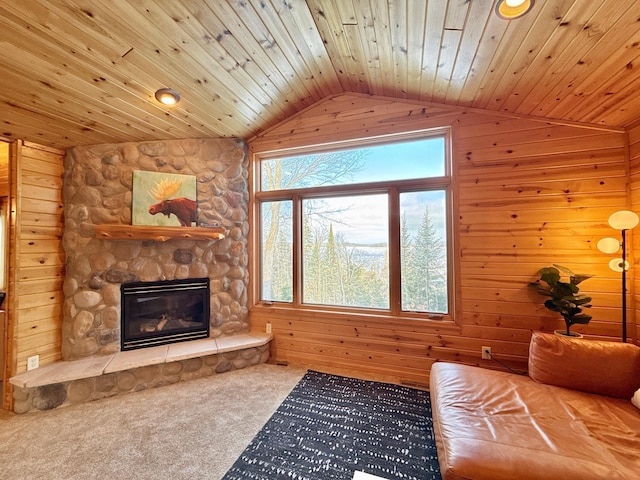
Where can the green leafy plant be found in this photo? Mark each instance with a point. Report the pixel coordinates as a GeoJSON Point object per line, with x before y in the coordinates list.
{"type": "Point", "coordinates": [563, 296]}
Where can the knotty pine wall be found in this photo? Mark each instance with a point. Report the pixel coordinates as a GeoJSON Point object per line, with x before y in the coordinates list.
{"type": "Point", "coordinates": [4, 169]}
{"type": "Point", "coordinates": [634, 176]}
{"type": "Point", "coordinates": [4, 194]}
{"type": "Point", "coordinates": [528, 193]}
{"type": "Point", "coordinates": [36, 263]}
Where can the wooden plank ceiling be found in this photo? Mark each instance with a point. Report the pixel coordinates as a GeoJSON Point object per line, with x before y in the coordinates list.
{"type": "Point", "coordinates": [79, 72]}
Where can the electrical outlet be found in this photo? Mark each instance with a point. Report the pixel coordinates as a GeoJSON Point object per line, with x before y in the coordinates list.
{"type": "Point", "coordinates": [486, 353]}
{"type": "Point", "coordinates": [268, 327]}
{"type": "Point", "coordinates": [33, 362]}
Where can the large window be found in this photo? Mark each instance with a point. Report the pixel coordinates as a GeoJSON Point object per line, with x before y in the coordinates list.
{"type": "Point", "coordinates": [363, 226]}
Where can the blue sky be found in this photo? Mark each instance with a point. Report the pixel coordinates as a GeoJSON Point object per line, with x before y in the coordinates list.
{"type": "Point", "coordinates": [365, 221]}
{"type": "Point", "coordinates": [413, 159]}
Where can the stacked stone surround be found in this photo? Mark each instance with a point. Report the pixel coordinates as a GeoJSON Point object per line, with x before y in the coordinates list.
{"type": "Point", "coordinates": [98, 190]}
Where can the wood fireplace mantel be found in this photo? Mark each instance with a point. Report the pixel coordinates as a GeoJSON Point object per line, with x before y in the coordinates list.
{"type": "Point", "coordinates": [159, 234]}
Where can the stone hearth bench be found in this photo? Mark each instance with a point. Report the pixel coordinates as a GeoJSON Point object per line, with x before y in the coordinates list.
{"type": "Point", "coordinates": [79, 381]}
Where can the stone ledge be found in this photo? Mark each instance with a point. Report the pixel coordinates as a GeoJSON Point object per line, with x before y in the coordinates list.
{"type": "Point", "coordinates": [67, 371]}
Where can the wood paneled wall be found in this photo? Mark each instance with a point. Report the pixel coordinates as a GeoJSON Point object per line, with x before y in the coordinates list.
{"type": "Point", "coordinates": [528, 194]}
{"type": "Point", "coordinates": [531, 195]}
{"type": "Point", "coordinates": [4, 169]}
{"type": "Point", "coordinates": [634, 179]}
{"type": "Point", "coordinates": [36, 258]}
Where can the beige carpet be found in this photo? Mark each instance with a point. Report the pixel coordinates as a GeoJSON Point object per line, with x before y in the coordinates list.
{"type": "Point", "coordinates": [190, 430]}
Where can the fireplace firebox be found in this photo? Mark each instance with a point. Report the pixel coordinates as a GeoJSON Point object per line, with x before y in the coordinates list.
{"type": "Point", "coordinates": [162, 312]}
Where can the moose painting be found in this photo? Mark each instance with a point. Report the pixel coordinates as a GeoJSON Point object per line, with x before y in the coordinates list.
{"type": "Point", "coordinates": [183, 208]}
{"type": "Point", "coordinates": [163, 199]}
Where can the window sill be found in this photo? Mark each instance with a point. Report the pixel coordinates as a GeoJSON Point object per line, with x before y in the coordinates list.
{"type": "Point", "coordinates": [286, 311]}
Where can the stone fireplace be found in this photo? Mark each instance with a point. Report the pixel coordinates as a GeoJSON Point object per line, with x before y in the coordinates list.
{"type": "Point", "coordinates": [98, 191]}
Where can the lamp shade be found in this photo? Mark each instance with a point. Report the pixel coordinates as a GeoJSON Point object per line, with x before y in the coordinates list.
{"type": "Point", "coordinates": [608, 245]}
{"type": "Point", "coordinates": [616, 265]}
{"type": "Point", "coordinates": [623, 220]}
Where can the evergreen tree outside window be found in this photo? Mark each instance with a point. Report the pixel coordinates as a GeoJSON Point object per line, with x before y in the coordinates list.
{"type": "Point", "coordinates": [424, 253]}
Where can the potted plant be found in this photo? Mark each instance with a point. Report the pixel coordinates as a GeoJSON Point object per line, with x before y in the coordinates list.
{"type": "Point", "coordinates": [563, 296]}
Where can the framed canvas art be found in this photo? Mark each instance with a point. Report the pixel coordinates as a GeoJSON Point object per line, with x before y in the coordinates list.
{"type": "Point", "coordinates": [163, 199]}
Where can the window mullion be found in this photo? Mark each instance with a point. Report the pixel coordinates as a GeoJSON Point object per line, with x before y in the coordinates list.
{"type": "Point", "coordinates": [297, 249]}
{"type": "Point", "coordinates": [394, 252]}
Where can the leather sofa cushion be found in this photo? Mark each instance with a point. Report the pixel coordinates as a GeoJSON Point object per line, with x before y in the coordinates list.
{"type": "Point", "coordinates": [492, 425]}
{"type": "Point", "coordinates": [605, 368]}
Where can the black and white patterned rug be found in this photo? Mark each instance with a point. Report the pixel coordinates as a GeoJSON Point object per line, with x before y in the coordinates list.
{"type": "Point", "coordinates": [330, 426]}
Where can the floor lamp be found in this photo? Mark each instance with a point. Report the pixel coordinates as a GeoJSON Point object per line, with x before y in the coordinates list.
{"type": "Point", "coordinates": [623, 220]}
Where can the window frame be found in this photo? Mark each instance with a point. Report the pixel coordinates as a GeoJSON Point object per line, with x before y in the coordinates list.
{"type": "Point", "coordinates": [392, 188]}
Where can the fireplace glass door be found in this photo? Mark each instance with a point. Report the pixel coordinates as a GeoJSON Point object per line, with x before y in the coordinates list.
{"type": "Point", "coordinates": [162, 312]}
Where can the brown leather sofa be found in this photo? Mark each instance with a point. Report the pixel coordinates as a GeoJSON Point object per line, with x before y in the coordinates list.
{"type": "Point", "coordinates": [571, 418]}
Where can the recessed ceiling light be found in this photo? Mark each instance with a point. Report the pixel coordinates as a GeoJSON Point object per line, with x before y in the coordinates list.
{"type": "Point", "coordinates": [510, 9]}
{"type": "Point", "coordinates": [167, 96]}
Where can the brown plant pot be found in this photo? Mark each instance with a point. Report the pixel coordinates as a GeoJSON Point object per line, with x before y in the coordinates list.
{"type": "Point", "coordinates": [563, 333]}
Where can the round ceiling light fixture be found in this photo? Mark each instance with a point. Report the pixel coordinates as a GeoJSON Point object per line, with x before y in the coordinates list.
{"type": "Point", "coordinates": [510, 9]}
{"type": "Point", "coordinates": [167, 96]}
